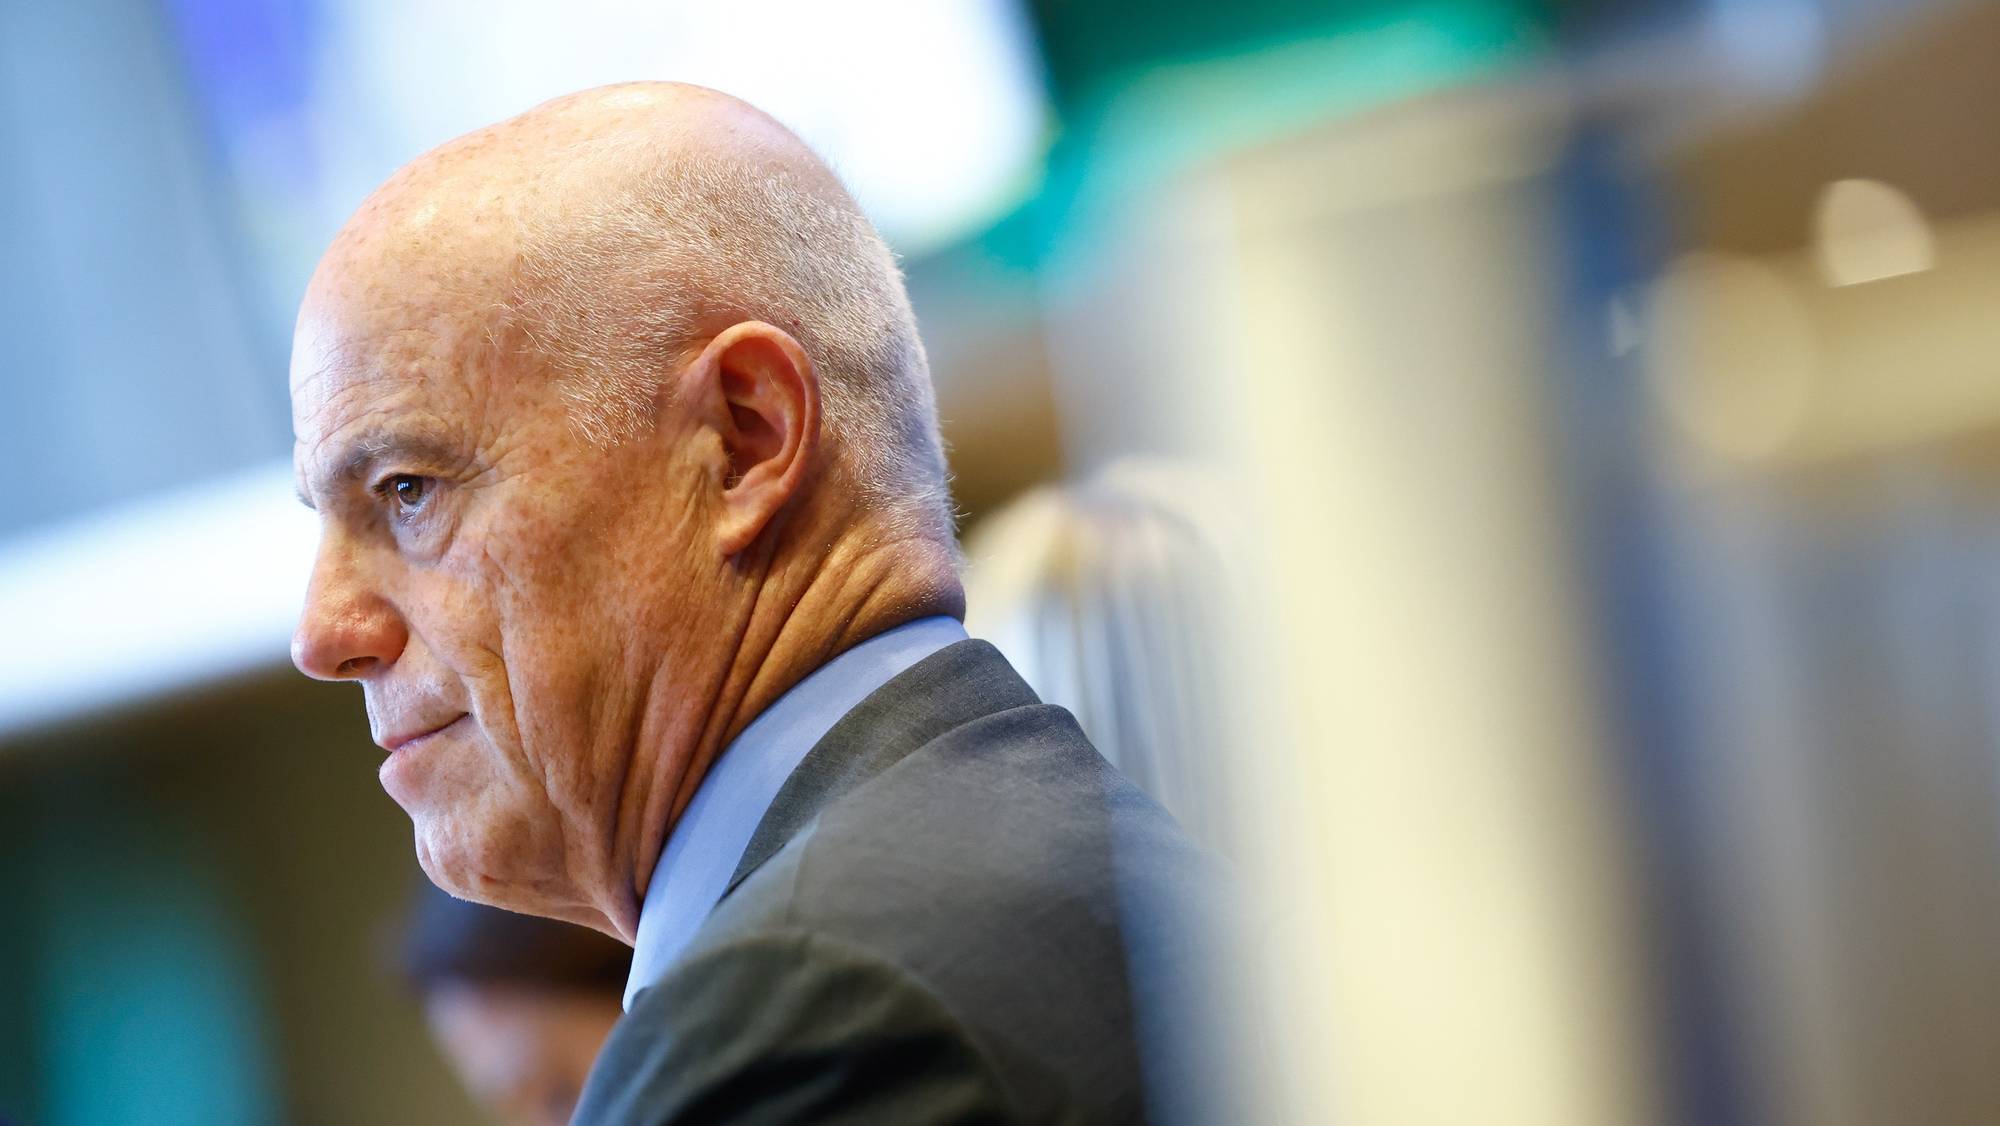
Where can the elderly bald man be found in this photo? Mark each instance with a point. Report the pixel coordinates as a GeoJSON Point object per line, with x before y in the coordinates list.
{"type": "Point", "coordinates": [635, 532]}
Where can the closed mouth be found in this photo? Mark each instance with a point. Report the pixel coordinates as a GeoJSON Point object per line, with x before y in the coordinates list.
{"type": "Point", "coordinates": [399, 742]}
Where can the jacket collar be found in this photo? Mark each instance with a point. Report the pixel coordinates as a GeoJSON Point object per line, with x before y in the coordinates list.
{"type": "Point", "coordinates": [955, 686]}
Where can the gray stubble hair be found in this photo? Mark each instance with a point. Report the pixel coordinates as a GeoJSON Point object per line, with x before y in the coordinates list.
{"type": "Point", "coordinates": [617, 281]}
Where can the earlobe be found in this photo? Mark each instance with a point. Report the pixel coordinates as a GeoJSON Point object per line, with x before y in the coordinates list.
{"type": "Point", "coordinates": [768, 410]}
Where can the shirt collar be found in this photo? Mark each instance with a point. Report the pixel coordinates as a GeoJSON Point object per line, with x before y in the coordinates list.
{"type": "Point", "coordinates": [704, 846]}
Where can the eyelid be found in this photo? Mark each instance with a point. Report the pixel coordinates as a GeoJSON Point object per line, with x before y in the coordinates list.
{"type": "Point", "coordinates": [384, 489]}
{"type": "Point", "coordinates": [387, 481]}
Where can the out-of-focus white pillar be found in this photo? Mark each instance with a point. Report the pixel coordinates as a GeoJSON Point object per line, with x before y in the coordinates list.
{"type": "Point", "coordinates": [1354, 328]}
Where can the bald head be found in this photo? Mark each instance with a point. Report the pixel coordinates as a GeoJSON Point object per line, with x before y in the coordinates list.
{"type": "Point", "coordinates": [617, 424]}
{"type": "Point", "coordinates": [598, 239]}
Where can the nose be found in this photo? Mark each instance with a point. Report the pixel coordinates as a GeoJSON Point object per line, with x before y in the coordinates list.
{"type": "Point", "coordinates": [347, 630]}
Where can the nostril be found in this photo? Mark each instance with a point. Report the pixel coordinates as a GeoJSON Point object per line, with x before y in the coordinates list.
{"type": "Point", "coordinates": [354, 666]}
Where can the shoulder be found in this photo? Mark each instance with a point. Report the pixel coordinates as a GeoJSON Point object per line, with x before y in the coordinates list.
{"type": "Point", "coordinates": [1000, 899]}
{"type": "Point", "coordinates": [1010, 821]}
{"type": "Point", "coordinates": [791, 1026]}
{"type": "Point", "coordinates": [1006, 870]}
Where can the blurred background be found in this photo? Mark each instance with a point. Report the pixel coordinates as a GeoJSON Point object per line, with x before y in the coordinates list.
{"type": "Point", "coordinates": [1548, 454]}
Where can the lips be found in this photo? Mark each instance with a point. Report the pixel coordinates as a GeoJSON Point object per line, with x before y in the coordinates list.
{"type": "Point", "coordinates": [396, 742]}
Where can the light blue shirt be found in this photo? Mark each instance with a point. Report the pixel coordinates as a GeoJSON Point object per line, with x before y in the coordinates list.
{"type": "Point", "coordinates": [708, 842]}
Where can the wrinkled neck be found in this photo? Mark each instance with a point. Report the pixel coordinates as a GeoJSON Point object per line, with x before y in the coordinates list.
{"type": "Point", "coordinates": [798, 610]}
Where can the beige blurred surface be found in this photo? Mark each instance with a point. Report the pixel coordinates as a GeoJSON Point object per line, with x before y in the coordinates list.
{"type": "Point", "coordinates": [1450, 937]}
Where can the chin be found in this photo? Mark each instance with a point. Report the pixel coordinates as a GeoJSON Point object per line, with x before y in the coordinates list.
{"type": "Point", "coordinates": [500, 856]}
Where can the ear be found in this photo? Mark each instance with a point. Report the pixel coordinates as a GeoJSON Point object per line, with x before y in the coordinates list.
{"type": "Point", "coordinates": [759, 392]}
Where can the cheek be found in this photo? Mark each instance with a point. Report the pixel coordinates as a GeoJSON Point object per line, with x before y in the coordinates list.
{"type": "Point", "coordinates": [550, 645]}
{"type": "Point", "coordinates": [584, 608]}
{"type": "Point", "coordinates": [451, 613]}
{"type": "Point", "coordinates": [587, 589]}
{"type": "Point", "coordinates": [505, 619]}
{"type": "Point", "coordinates": [537, 577]}
{"type": "Point", "coordinates": [553, 689]}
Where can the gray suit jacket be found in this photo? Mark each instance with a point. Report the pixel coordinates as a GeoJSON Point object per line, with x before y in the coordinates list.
{"type": "Point", "coordinates": [955, 911]}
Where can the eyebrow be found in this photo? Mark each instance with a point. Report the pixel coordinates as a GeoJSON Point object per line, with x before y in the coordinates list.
{"type": "Point", "coordinates": [421, 445]}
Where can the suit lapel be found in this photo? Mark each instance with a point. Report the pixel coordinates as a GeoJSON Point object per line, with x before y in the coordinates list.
{"type": "Point", "coordinates": [948, 689]}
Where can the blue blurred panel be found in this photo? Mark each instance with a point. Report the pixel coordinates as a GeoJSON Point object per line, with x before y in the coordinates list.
{"type": "Point", "coordinates": [132, 362]}
{"type": "Point", "coordinates": [1613, 235]}
{"type": "Point", "coordinates": [251, 58]}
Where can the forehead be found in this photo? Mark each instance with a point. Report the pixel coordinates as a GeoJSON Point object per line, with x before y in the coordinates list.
{"type": "Point", "coordinates": [414, 286]}
{"type": "Point", "coordinates": [383, 331]}
{"type": "Point", "coordinates": [413, 309]}
{"type": "Point", "coordinates": [350, 386]}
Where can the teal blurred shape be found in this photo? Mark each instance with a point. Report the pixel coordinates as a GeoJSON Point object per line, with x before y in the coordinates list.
{"type": "Point", "coordinates": [1145, 92]}
{"type": "Point", "coordinates": [139, 988]}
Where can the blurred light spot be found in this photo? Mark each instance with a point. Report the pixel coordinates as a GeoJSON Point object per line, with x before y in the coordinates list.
{"type": "Point", "coordinates": [155, 597]}
{"type": "Point", "coordinates": [1731, 355]}
{"type": "Point", "coordinates": [1868, 231]}
{"type": "Point", "coordinates": [932, 111]}
{"type": "Point", "coordinates": [1621, 328]}
{"type": "Point", "coordinates": [1774, 47]}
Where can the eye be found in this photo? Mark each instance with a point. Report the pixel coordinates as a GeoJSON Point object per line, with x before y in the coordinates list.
{"type": "Point", "coordinates": [406, 490]}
